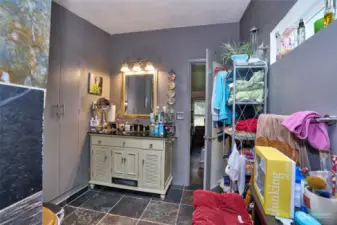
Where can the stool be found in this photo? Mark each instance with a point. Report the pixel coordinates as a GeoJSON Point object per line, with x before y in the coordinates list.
{"type": "Point", "coordinates": [56, 210]}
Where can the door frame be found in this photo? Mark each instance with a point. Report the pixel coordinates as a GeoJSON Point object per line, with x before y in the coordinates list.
{"type": "Point", "coordinates": [191, 62]}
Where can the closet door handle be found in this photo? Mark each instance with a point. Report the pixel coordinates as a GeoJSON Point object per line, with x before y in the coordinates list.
{"type": "Point", "coordinates": [63, 110]}
{"type": "Point", "coordinates": [55, 109]}
{"type": "Point", "coordinates": [143, 162]}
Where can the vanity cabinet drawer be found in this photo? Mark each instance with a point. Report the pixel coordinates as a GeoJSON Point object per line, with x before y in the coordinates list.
{"type": "Point", "coordinates": [153, 144]}
{"type": "Point", "coordinates": [131, 143]}
{"type": "Point", "coordinates": [98, 140]}
{"type": "Point", "coordinates": [109, 141]}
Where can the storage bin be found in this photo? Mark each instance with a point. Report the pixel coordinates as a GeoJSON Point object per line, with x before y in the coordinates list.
{"type": "Point", "coordinates": [274, 181]}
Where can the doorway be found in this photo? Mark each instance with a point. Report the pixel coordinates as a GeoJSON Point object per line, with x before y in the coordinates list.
{"type": "Point", "coordinates": [197, 123]}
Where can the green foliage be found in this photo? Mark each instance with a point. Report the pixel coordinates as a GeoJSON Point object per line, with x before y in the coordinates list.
{"type": "Point", "coordinates": [95, 89]}
{"type": "Point", "coordinates": [228, 50]}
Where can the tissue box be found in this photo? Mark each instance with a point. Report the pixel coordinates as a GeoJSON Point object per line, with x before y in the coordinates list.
{"type": "Point", "coordinates": [274, 181]}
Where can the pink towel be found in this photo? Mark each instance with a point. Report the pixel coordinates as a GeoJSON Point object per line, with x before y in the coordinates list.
{"type": "Point", "coordinates": [300, 123]}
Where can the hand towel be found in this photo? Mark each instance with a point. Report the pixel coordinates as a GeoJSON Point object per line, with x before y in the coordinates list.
{"type": "Point", "coordinates": [301, 124]}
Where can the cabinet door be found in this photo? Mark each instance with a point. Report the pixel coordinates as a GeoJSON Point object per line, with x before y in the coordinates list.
{"type": "Point", "coordinates": [131, 168]}
{"type": "Point", "coordinates": [51, 163]}
{"type": "Point", "coordinates": [151, 168]}
{"type": "Point", "coordinates": [117, 163]}
{"type": "Point", "coordinates": [70, 150]}
{"type": "Point", "coordinates": [100, 163]}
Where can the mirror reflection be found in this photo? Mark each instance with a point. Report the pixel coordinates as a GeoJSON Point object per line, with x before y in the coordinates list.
{"type": "Point", "coordinates": [139, 90]}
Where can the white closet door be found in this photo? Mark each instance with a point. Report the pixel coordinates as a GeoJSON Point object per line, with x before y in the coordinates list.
{"type": "Point", "coordinates": [70, 153]}
{"type": "Point", "coordinates": [51, 120]}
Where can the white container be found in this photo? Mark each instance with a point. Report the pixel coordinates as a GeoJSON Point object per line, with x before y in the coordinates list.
{"type": "Point", "coordinates": [322, 209]}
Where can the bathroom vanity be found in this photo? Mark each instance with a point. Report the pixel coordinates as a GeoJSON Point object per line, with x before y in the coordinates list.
{"type": "Point", "coordinates": [139, 163]}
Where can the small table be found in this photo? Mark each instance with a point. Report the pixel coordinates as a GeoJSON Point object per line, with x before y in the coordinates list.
{"type": "Point", "coordinates": [260, 218]}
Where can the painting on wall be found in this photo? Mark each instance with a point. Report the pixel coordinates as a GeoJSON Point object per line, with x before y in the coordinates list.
{"type": "Point", "coordinates": [24, 55]}
{"type": "Point", "coordinates": [24, 41]}
{"type": "Point", "coordinates": [95, 84]}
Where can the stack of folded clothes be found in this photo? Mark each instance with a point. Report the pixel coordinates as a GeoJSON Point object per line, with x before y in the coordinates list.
{"type": "Point", "coordinates": [251, 90]}
{"type": "Point", "coordinates": [249, 125]}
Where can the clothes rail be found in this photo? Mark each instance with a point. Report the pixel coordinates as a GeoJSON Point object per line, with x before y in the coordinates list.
{"type": "Point", "coordinates": [329, 120]}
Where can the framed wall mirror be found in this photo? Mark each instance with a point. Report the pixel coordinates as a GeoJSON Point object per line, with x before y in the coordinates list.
{"type": "Point", "coordinates": [139, 94]}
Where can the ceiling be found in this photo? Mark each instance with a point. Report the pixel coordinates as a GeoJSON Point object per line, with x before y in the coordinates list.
{"type": "Point", "coordinates": [125, 16]}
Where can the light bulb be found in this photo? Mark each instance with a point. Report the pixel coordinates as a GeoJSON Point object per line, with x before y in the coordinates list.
{"type": "Point", "coordinates": [136, 67]}
{"type": "Point", "coordinates": [125, 68]}
{"type": "Point", "coordinates": [149, 66]}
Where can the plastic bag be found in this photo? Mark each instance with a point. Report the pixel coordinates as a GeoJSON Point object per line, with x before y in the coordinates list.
{"type": "Point", "coordinates": [233, 168]}
{"type": "Point", "coordinates": [242, 175]}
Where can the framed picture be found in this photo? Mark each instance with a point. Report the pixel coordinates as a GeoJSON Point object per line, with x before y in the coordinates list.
{"type": "Point", "coordinates": [95, 84]}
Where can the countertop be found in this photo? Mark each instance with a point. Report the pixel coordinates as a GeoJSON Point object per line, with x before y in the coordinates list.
{"type": "Point", "coordinates": [120, 134]}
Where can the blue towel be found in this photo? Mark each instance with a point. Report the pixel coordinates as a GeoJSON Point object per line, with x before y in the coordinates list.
{"type": "Point", "coordinates": [221, 96]}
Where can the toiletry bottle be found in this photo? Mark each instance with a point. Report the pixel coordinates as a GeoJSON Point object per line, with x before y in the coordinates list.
{"type": "Point", "coordinates": [92, 124]}
{"type": "Point", "coordinates": [152, 129]}
{"type": "Point", "coordinates": [330, 11]}
{"type": "Point", "coordinates": [278, 45]}
{"type": "Point", "coordinates": [300, 32]}
{"type": "Point", "coordinates": [161, 130]}
{"type": "Point", "coordinates": [157, 114]}
{"type": "Point", "coordinates": [156, 130]}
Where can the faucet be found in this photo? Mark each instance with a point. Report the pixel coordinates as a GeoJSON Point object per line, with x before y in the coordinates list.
{"type": "Point", "coordinates": [136, 120]}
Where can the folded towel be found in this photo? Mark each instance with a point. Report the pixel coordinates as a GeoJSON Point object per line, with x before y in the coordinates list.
{"type": "Point", "coordinates": [300, 124]}
{"type": "Point", "coordinates": [249, 125]}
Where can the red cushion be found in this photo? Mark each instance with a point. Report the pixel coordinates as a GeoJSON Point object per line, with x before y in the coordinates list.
{"type": "Point", "coordinates": [219, 209]}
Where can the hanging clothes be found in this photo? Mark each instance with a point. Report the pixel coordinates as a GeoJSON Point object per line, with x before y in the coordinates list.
{"type": "Point", "coordinates": [220, 111]}
{"type": "Point", "coordinates": [271, 133]}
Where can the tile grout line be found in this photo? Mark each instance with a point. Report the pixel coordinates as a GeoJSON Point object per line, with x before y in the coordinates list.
{"type": "Point", "coordinates": [109, 210]}
{"type": "Point", "coordinates": [143, 212]}
{"type": "Point", "coordinates": [181, 199]}
{"type": "Point", "coordinates": [117, 203]}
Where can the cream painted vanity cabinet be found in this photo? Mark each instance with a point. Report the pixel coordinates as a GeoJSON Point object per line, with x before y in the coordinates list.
{"type": "Point", "coordinates": [129, 162]}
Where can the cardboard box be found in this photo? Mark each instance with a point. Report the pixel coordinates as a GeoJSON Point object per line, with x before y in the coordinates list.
{"type": "Point", "coordinates": [274, 181]}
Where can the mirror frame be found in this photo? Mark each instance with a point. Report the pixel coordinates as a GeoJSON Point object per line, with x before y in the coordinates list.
{"type": "Point", "coordinates": [131, 73]}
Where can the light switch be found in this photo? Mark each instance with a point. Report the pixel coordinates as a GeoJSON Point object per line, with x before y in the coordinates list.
{"type": "Point", "coordinates": [179, 115]}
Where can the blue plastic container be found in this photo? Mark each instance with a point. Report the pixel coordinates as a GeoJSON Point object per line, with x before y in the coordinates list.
{"type": "Point", "coordinates": [301, 218]}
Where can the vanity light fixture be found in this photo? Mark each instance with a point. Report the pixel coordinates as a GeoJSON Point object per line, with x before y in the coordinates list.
{"type": "Point", "coordinates": [149, 66]}
{"type": "Point", "coordinates": [125, 68]}
{"type": "Point", "coordinates": [136, 67]}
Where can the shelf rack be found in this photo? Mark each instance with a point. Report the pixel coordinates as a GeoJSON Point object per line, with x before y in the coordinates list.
{"type": "Point", "coordinates": [245, 71]}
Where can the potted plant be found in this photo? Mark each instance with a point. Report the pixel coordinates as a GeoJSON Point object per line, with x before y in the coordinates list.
{"type": "Point", "coordinates": [242, 51]}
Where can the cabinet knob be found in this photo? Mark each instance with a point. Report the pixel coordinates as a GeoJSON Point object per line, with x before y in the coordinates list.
{"type": "Point", "coordinates": [123, 143]}
{"type": "Point", "coordinates": [150, 146]}
{"type": "Point", "coordinates": [99, 142]}
{"type": "Point", "coordinates": [143, 162]}
{"type": "Point", "coordinates": [105, 158]}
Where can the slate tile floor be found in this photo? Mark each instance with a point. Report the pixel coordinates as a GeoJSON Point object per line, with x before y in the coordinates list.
{"type": "Point", "coordinates": [109, 206]}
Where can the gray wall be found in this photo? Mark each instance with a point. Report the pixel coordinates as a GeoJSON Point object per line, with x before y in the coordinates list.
{"type": "Point", "coordinates": [265, 15]}
{"type": "Point", "coordinates": [306, 78]}
{"type": "Point", "coordinates": [170, 49]}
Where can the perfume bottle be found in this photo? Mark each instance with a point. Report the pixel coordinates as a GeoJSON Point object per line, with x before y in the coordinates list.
{"type": "Point", "coordinates": [300, 32]}
{"type": "Point", "coordinates": [330, 10]}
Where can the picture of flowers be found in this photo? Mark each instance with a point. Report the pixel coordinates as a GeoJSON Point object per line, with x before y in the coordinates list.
{"type": "Point", "coordinates": [24, 41]}
{"type": "Point", "coordinates": [95, 84]}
